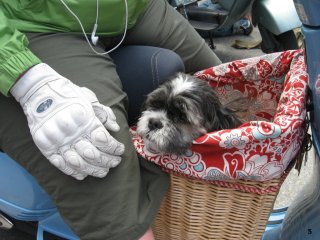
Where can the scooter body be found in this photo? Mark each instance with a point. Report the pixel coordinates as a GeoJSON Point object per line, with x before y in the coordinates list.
{"type": "Point", "coordinates": [22, 199]}
{"type": "Point", "coordinates": [276, 16]}
{"type": "Point", "coordinates": [276, 19]}
{"type": "Point", "coordinates": [20, 195]}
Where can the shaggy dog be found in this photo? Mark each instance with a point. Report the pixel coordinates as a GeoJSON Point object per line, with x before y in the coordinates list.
{"type": "Point", "coordinates": [179, 111]}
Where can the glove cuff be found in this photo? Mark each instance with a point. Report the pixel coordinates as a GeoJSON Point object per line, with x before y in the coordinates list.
{"type": "Point", "coordinates": [32, 80]}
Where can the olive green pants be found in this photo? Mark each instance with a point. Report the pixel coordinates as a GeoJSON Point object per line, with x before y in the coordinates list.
{"type": "Point", "coordinates": [123, 204]}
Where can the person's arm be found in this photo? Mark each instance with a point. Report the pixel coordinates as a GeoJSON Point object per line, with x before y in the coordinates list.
{"type": "Point", "coordinates": [15, 57]}
{"type": "Point", "coordinates": [67, 122]}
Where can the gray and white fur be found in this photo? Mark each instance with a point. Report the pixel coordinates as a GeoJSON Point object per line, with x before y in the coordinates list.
{"type": "Point", "coordinates": [179, 111]}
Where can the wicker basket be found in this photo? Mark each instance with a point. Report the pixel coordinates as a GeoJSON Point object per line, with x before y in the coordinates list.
{"type": "Point", "coordinates": [194, 209]}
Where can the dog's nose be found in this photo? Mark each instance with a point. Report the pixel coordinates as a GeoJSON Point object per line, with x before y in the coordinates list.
{"type": "Point", "coordinates": [154, 124]}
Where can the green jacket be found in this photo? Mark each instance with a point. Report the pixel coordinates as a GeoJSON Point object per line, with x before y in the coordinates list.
{"type": "Point", "coordinates": [18, 16]}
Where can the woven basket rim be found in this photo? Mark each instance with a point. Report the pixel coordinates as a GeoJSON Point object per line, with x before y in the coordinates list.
{"type": "Point", "coordinates": [244, 185]}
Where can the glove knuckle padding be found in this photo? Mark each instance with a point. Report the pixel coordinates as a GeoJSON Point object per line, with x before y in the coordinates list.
{"type": "Point", "coordinates": [94, 156]}
{"type": "Point", "coordinates": [106, 116]}
{"type": "Point", "coordinates": [60, 163]}
{"type": "Point", "coordinates": [65, 125]}
{"type": "Point", "coordinates": [105, 142]}
{"type": "Point", "coordinates": [100, 113]}
{"type": "Point", "coordinates": [73, 159]}
{"type": "Point", "coordinates": [63, 121]}
{"type": "Point", "coordinates": [88, 152]}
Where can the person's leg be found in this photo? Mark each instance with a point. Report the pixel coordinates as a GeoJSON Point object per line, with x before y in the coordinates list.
{"type": "Point", "coordinates": [142, 73]}
{"type": "Point", "coordinates": [162, 26]}
{"type": "Point", "coordinates": [123, 204]}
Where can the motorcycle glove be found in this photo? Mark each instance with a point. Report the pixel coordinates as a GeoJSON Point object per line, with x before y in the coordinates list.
{"type": "Point", "coordinates": [67, 123]}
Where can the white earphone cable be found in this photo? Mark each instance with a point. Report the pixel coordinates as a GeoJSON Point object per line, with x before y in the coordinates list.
{"type": "Point", "coordinates": [97, 12]}
{"type": "Point", "coordinates": [96, 23]}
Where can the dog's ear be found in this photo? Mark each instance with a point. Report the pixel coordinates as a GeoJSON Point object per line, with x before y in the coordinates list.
{"type": "Point", "coordinates": [211, 109]}
{"type": "Point", "coordinates": [217, 116]}
{"type": "Point", "coordinates": [229, 118]}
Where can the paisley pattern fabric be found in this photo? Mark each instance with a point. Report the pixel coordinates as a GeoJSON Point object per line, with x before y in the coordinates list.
{"type": "Point", "coordinates": [275, 87]}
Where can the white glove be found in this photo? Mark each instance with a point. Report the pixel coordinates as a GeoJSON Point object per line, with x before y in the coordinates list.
{"type": "Point", "coordinates": [67, 123]}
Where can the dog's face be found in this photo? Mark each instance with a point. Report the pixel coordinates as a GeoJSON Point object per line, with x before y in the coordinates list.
{"type": "Point", "coordinates": [179, 111]}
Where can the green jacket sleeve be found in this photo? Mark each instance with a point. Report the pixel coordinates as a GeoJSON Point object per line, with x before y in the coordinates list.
{"type": "Point", "coordinates": [15, 57]}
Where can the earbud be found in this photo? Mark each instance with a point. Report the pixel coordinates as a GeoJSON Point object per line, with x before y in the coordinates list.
{"type": "Point", "coordinates": [94, 38]}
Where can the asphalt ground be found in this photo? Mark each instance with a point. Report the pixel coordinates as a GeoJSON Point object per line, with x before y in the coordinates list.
{"type": "Point", "coordinates": [293, 184]}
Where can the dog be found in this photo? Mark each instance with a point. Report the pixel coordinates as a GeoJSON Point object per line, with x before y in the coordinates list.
{"type": "Point", "coordinates": [179, 111]}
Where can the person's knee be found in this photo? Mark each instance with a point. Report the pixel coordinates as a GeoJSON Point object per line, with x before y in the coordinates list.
{"type": "Point", "coordinates": [164, 64]}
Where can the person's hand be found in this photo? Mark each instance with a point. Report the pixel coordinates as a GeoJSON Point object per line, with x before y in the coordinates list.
{"type": "Point", "coordinates": [67, 123]}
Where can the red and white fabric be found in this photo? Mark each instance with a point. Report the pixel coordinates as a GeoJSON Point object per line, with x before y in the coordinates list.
{"type": "Point", "coordinates": [262, 147]}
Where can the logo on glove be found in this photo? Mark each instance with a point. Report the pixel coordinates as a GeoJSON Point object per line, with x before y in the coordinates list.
{"type": "Point", "coordinates": [44, 105]}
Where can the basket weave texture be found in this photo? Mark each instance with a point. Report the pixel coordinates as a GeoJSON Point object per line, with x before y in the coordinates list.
{"type": "Point", "coordinates": [195, 209]}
